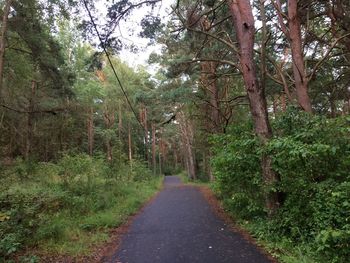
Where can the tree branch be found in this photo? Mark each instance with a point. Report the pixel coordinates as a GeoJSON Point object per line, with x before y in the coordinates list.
{"type": "Point", "coordinates": [50, 111]}
{"type": "Point", "coordinates": [277, 5]}
{"type": "Point", "coordinates": [320, 62]}
{"type": "Point", "coordinates": [222, 61]}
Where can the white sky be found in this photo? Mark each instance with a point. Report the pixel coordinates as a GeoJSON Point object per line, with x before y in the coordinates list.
{"type": "Point", "coordinates": [128, 31]}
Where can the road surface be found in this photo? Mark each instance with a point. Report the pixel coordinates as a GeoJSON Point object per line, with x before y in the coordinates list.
{"type": "Point", "coordinates": [179, 226]}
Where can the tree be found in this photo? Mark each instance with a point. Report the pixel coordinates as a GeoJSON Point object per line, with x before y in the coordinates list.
{"type": "Point", "coordinates": [3, 39]}
{"type": "Point", "coordinates": [243, 21]}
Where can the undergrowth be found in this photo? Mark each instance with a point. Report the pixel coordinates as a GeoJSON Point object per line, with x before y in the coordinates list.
{"type": "Point", "coordinates": [68, 206]}
{"type": "Point", "coordinates": [311, 154]}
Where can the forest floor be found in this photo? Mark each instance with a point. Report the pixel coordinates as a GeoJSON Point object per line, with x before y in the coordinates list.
{"type": "Point", "coordinates": [184, 223]}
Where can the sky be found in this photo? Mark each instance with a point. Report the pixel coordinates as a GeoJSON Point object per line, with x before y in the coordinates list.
{"type": "Point", "coordinates": [128, 30]}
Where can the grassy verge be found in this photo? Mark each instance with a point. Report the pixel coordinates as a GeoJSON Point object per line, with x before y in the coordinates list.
{"type": "Point", "coordinates": [68, 207]}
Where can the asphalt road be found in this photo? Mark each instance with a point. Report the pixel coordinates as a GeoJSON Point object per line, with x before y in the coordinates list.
{"type": "Point", "coordinates": [179, 226]}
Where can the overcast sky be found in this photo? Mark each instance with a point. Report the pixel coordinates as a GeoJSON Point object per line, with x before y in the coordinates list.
{"type": "Point", "coordinates": [128, 31]}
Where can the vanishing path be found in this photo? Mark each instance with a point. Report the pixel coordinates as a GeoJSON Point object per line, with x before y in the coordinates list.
{"type": "Point", "coordinates": [179, 226]}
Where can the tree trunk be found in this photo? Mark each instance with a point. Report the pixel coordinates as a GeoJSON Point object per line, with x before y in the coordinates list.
{"type": "Point", "coordinates": [263, 43]}
{"type": "Point", "coordinates": [187, 134]}
{"type": "Point", "coordinates": [143, 119]}
{"type": "Point", "coordinates": [154, 149]}
{"type": "Point", "coordinates": [299, 73]}
{"type": "Point", "coordinates": [90, 131]}
{"type": "Point", "coordinates": [243, 21]}
{"type": "Point", "coordinates": [3, 40]}
{"type": "Point", "coordinates": [109, 119]}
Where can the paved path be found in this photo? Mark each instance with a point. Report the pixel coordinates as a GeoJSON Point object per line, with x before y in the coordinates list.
{"type": "Point", "coordinates": [180, 227]}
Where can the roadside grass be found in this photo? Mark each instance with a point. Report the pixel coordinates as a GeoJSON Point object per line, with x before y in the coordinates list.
{"type": "Point", "coordinates": [69, 207]}
{"type": "Point", "coordinates": [77, 234]}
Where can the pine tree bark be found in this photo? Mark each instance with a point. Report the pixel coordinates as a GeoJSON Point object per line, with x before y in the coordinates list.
{"type": "Point", "coordinates": [299, 73]}
{"type": "Point", "coordinates": [263, 43]}
{"type": "Point", "coordinates": [3, 40]}
{"type": "Point", "coordinates": [243, 21]}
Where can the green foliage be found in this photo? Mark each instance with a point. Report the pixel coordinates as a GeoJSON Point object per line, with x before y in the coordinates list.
{"type": "Point", "coordinates": [49, 205]}
{"type": "Point", "coordinates": [139, 171]}
{"type": "Point", "coordinates": [237, 171]}
{"type": "Point", "coordinates": [311, 155]}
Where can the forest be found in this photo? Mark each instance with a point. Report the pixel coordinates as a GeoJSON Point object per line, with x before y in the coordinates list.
{"type": "Point", "coordinates": [251, 98]}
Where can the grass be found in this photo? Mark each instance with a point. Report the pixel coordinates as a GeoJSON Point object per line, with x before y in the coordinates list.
{"type": "Point", "coordinates": [47, 213]}
{"type": "Point", "coordinates": [80, 232]}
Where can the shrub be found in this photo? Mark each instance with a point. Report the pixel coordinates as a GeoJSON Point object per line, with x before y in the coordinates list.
{"type": "Point", "coordinates": [42, 201]}
{"type": "Point", "coordinates": [237, 171]}
{"type": "Point", "coordinates": [312, 156]}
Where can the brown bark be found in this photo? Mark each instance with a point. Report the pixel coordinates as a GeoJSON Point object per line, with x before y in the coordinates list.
{"type": "Point", "coordinates": [244, 26]}
{"type": "Point", "coordinates": [90, 130]}
{"type": "Point", "coordinates": [3, 40]}
{"type": "Point", "coordinates": [243, 21]}
{"type": "Point", "coordinates": [299, 72]}
{"type": "Point", "coordinates": [263, 43]}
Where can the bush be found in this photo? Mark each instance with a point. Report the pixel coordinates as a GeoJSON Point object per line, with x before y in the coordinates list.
{"type": "Point", "coordinates": [47, 203]}
{"type": "Point", "coordinates": [237, 171]}
{"type": "Point", "coordinates": [312, 156]}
